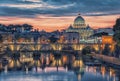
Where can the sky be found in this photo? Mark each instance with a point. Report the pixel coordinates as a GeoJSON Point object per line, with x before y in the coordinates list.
{"type": "Point", "coordinates": [53, 15]}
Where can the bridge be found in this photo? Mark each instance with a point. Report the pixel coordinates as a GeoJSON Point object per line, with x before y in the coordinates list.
{"type": "Point", "coordinates": [55, 46]}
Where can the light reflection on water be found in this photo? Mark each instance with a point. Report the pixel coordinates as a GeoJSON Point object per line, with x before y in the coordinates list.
{"type": "Point", "coordinates": [90, 74]}
{"type": "Point", "coordinates": [32, 76]}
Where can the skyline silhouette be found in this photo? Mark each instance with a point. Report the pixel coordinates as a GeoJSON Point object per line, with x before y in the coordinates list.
{"type": "Point", "coordinates": [53, 15]}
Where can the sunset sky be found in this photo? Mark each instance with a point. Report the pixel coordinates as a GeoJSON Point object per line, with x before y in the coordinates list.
{"type": "Point", "coordinates": [51, 15]}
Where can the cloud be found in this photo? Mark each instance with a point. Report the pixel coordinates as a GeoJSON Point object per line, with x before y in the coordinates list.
{"type": "Point", "coordinates": [31, 8]}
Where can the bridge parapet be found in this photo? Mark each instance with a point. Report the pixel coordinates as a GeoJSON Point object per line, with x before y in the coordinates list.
{"type": "Point", "coordinates": [32, 46]}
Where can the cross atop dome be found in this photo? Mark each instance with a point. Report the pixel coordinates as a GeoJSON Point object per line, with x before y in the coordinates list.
{"type": "Point", "coordinates": [79, 14]}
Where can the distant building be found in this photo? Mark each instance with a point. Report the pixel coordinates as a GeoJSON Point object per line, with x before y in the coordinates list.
{"type": "Point", "coordinates": [107, 30]}
{"type": "Point", "coordinates": [79, 26]}
{"type": "Point", "coordinates": [71, 37]}
{"type": "Point", "coordinates": [7, 36]}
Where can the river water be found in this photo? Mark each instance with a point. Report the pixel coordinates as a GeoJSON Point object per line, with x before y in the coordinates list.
{"type": "Point", "coordinates": [89, 73]}
{"type": "Point", "coordinates": [80, 72]}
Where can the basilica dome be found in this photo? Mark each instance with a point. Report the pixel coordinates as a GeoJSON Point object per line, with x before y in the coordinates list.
{"type": "Point", "coordinates": [79, 22]}
{"type": "Point", "coordinates": [79, 19]}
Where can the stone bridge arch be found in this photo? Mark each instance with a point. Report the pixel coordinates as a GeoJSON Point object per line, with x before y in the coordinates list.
{"type": "Point", "coordinates": [23, 47]}
{"type": "Point", "coordinates": [67, 47]}
{"type": "Point", "coordinates": [46, 47]}
{"type": "Point", "coordinates": [78, 47]}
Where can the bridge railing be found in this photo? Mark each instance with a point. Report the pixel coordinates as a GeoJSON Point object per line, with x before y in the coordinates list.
{"type": "Point", "coordinates": [45, 43]}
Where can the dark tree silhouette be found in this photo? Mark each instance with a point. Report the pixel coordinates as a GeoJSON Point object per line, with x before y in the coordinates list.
{"type": "Point", "coordinates": [27, 27]}
{"type": "Point", "coordinates": [106, 50]}
{"type": "Point", "coordinates": [53, 39]}
{"type": "Point", "coordinates": [86, 50]}
{"type": "Point", "coordinates": [116, 37]}
{"type": "Point", "coordinates": [117, 51]}
{"type": "Point", "coordinates": [15, 27]}
{"type": "Point", "coordinates": [116, 29]}
{"type": "Point", "coordinates": [17, 36]}
{"type": "Point", "coordinates": [36, 57]}
{"type": "Point", "coordinates": [3, 28]}
{"type": "Point", "coordinates": [1, 38]}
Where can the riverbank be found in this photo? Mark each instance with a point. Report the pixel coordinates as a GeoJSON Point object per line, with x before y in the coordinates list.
{"type": "Point", "coordinates": [112, 61]}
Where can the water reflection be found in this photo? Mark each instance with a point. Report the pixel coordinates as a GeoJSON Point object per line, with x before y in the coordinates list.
{"type": "Point", "coordinates": [100, 74]}
{"type": "Point", "coordinates": [39, 76]}
{"type": "Point", "coordinates": [90, 73]}
{"type": "Point", "coordinates": [61, 68]}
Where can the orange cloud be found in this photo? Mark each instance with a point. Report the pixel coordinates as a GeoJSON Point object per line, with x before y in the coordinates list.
{"type": "Point", "coordinates": [49, 23]}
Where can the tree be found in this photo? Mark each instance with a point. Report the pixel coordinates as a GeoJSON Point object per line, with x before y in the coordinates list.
{"type": "Point", "coordinates": [10, 27]}
{"type": "Point", "coordinates": [2, 28]}
{"type": "Point", "coordinates": [87, 50]}
{"type": "Point", "coordinates": [106, 50]}
{"type": "Point", "coordinates": [116, 37]}
{"type": "Point", "coordinates": [1, 38]}
{"type": "Point", "coordinates": [117, 51]}
{"type": "Point", "coordinates": [17, 36]}
{"type": "Point", "coordinates": [27, 27]}
{"type": "Point", "coordinates": [116, 29]}
{"type": "Point", "coordinates": [17, 27]}
{"type": "Point", "coordinates": [53, 39]}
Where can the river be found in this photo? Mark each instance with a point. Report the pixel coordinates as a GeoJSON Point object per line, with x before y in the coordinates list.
{"type": "Point", "coordinates": [87, 73]}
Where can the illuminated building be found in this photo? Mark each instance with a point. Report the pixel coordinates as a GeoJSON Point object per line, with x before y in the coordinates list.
{"type": "Point", "coordinates": [80, 26]}
{"type": "Point", "coordinates": [72, 37]}
{"type": "Point", "coordinates": [108, 40]}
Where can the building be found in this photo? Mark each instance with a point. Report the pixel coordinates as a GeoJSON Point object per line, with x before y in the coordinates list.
{"type": "Point", "coordinates": [108, 40]}
{"type": "Point", "coordinates": [107, 30]}
{"type": "Point", "coordinates": [79, 26]}
{"type": "Point", "coordinates": [71, 37]}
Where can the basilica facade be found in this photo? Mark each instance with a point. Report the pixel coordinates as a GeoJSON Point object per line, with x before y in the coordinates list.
{"type": "Point", "coordinates": [79, 26]}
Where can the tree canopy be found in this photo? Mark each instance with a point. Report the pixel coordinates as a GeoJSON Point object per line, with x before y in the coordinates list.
{"type": "Point", "coordinates": [88, 50]}
{"type": "Point", "coordinates": [15, 27]}
{"type": "Point", "coordinates": [106, 50]}
{"type": "Point", "coordinates": [116, 29]}
{"type": "Point", "coordinates": [1, 38]}
{"type": "Point", "coordinates": [53, 39]}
